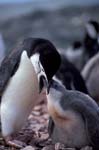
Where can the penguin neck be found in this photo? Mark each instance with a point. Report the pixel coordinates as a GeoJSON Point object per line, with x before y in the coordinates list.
{"type": "Point", "coordinates": [54, 96]}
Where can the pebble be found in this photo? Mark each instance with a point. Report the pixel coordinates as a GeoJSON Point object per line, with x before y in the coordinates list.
{"type": "Point", "coordinates": [29, 148]}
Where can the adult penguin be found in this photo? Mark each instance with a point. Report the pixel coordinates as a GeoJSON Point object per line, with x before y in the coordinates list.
{"type": "Point", "coordinates": [22, 78]}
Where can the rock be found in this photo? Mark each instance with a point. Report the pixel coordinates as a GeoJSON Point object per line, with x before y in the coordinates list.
{"type": "Point", "coordinates": [49, 147]}
{"type": "Point", "coordinates": [59, 146]}
{"type": "Point", "coordinates": [29, 148]}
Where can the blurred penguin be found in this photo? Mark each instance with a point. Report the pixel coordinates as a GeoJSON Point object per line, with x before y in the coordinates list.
{"type": "Point", "coordinates": [90, 74]}
{"type": "Point", "coordinates": [74, 54]}
{"type": "Point", "coordinates": [70, 77]}
{"type": "Point", "coordinates": [81, 51]}
{"type": "Point", "coordinates": [91, 38]}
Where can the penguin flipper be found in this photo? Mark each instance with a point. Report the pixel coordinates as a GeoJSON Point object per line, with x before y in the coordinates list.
{"type": "Point", "coordinates": [50, 126]}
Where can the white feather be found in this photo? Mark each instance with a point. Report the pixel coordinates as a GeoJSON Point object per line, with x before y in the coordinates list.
{"type": "Point", "coordinates": [91, 30]}
{"type": "Point", "coordinates": [38, 66]}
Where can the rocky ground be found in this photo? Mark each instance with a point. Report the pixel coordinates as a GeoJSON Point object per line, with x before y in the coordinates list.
{"type": "Point", "coordinates": [33, 132]}
{"type": "Point", "coordinates": [34, 135]}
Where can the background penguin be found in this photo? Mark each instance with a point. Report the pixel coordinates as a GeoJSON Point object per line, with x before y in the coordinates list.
{"type": "Point", "coordinates": [91, 43]}
{"type": "Point", "coordinates": [90, 74]}
{"type": "Point", "coordinates": [74, 54]}
{"type": "Point", "coordinates": [91, 38]}
{"type": "Point", "coordinates": [81, 51]}
{"type": "Point", "coordinates": [70, 77]}
{"type": "Point", "coordinates": [75, 115]}
{"type": "Point", "coordinates": [22, 77]}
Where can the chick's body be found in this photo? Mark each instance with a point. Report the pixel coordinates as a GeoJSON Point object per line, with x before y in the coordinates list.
{"type": "Point", "coordinates": [76, 117]}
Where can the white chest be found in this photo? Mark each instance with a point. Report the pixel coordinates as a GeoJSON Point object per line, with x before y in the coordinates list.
{"type": "Point", "coordinates": [20, 97]}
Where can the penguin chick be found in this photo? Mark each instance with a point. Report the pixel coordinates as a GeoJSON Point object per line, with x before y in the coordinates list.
{"type": "Point", "coordinates": [90, 74]}
{"type": "Point", "coordinates": [23, 74]}
{"type": "Point", "coordinates": [71, 78]}
{"type": "Point", "coordinates": [75, 115]}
